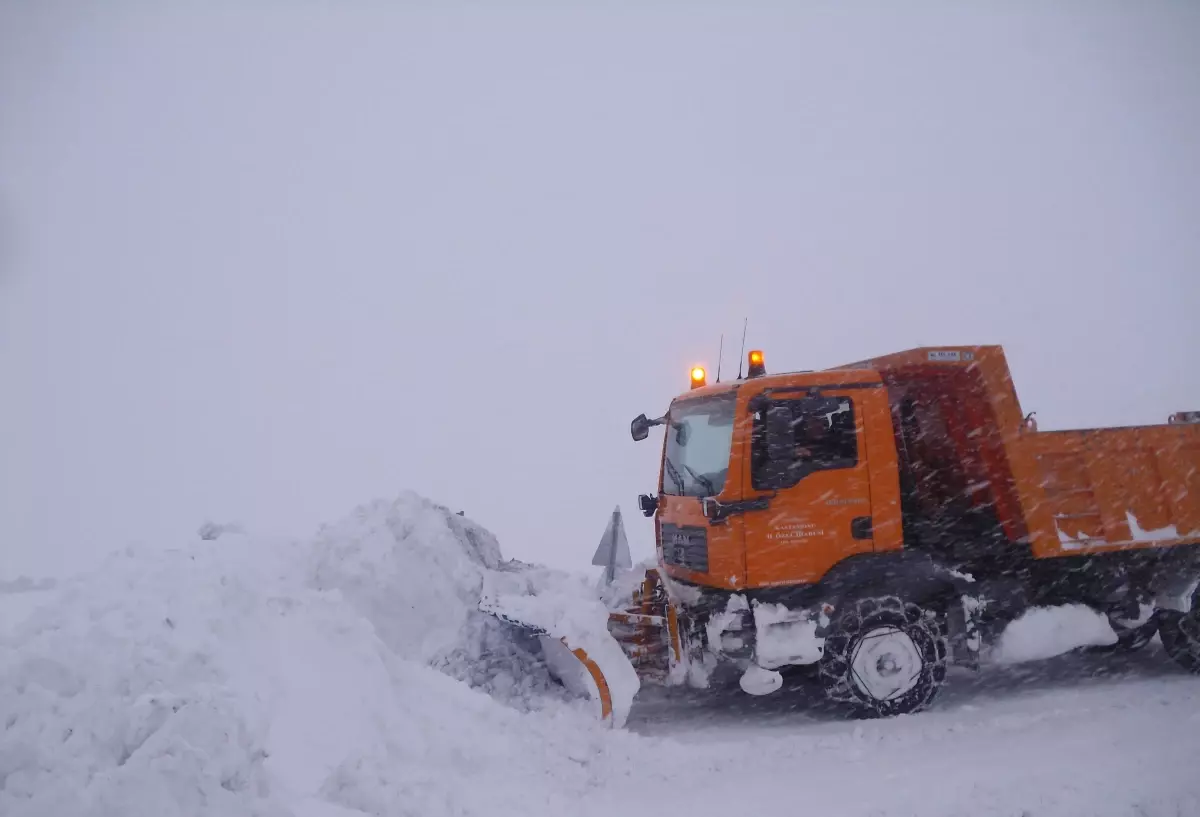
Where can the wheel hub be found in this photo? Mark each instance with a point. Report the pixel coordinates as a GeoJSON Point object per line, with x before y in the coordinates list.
{"type": "Point", "coordinates": [886, 663]}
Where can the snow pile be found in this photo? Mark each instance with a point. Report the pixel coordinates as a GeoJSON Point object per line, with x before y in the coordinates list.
{"type": "Point", "coordinates": [411, 568]}
{"type": "Point", "coordinates": [1044, 632]}
{"type": "Point", "coordinates": [19, 598]}
{"type": "Point", "coordinates": [348, 676]}
{"type": "Point", "coordinates": [24, 584]}
{"type": "Point", "coordinates": [419, 573]}
{"type": "Point", "coordinates": [120, 697]}
{"type": "Point", "coordinates": [243, 677]}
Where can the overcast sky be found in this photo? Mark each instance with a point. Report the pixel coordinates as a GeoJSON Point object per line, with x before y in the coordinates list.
{"type": "Point", "coordinates": [265, 264]}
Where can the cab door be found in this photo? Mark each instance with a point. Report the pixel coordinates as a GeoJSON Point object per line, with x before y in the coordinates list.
{"type": "Point", "coordinates": [807, 453]}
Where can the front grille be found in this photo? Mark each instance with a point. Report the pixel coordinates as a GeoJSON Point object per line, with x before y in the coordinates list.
{"type": "Point", "coordinates": [685, 547]}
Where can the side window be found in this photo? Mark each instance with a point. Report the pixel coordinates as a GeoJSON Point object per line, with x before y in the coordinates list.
{"type": "Point", "coordinates": [793, 438]}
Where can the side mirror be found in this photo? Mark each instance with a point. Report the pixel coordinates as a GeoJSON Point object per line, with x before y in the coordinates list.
{"type": "Point", "coordinates": [648, 504]}
{"type": "Point", "coordinates": [639, 429]}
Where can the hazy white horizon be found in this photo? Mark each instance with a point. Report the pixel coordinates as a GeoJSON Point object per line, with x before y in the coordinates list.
{"type": "Point", "coordinates": [265, 263]}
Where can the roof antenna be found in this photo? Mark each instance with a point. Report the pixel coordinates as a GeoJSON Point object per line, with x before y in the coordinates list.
{"type": "Point", "coordinates": [745, 322]}
{"type": "Point", "coordinates": [720, 354]}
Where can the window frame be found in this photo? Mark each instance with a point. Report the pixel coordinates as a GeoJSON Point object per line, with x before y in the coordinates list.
{"type": "Point", "coordinates": [724, 401]}
{"type": "Point", "coordinates": [795, 471]}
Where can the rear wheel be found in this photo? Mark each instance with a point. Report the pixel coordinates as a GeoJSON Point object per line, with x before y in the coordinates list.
{"type": "Point", "coordinates": [1132, 634]}
{"type": "Point", "coordinates": [884, 656]}
{"type": "Point", "coordinates": [1180, 634]}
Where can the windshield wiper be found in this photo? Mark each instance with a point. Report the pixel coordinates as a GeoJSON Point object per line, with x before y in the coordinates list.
{"type": "Point", "coordinates": [675, 476]}
{"type": "Point", "coordinates": [703, 480]}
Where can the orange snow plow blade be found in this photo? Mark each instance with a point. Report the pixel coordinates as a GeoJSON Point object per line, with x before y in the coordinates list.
{"type": "Point", "coordinates": [602, 690]}
{"type": "Point", "coordinates": [578, 673]}
{"type": "Point", "coordinates": [587, 660]}
{"type": "Point", "coordinates": [604, 660]}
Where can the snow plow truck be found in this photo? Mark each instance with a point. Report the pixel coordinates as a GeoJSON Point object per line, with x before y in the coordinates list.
{"type": "Point", "coordinates": [882, 520]}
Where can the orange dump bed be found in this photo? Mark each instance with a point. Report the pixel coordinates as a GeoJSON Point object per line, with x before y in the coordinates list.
{"type": "Point", "coordinates": [962, 439]}
{"type": "Point", "coordinates": [1116, 488]}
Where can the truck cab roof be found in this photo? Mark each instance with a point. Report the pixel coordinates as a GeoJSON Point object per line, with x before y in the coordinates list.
{"type": "Point", "coordinates": [789, 380]}
{"type": "Point", "coordinates": [863, 371]}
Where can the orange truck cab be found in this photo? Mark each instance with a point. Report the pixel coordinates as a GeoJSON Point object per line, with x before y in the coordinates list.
{"type": "Point", "coordinates": [911, 492]}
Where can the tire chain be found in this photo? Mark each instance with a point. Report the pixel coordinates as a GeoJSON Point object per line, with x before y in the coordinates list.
{"type": "Point", "coordinates": [834, 675]}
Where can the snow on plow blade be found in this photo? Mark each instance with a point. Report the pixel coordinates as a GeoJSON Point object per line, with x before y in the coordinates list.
{"type": "Point", "coordinates": [580, 674]}
{"type": "Point", "coordinates": [572, 630]}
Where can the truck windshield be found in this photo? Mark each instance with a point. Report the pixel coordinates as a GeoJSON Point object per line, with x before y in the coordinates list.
{"type": "Point", "coordinates": [699, 435]}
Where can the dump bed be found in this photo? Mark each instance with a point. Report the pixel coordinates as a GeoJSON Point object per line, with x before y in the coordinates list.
{"type": "Point", "coordinates": [965, 445]}
{"type": "Point", "coordinates": [1115, 488]}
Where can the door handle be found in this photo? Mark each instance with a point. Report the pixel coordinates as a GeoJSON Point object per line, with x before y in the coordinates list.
{"type": "Point", "coordinates": [860, 528]}
{"type": "Point", "coordinates": [718, 512]}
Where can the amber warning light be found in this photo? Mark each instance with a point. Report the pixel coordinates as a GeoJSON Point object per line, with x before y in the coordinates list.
{"type": "Point", "coordinates": [697, 377]}
{"type": "Point", "coordinates": [758, 366]}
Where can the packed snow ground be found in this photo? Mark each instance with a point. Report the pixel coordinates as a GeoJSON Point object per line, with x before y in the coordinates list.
{"type": "Point", "coordinates": [353, 674]}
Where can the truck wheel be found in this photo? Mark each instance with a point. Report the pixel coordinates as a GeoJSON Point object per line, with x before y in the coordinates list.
{"type": "Point", "coordinates": [1130, 637]}
{"type": "Point", "coordinates": [884, 656]}
{"type": "Point", "coordinates": [1133, 639]}
{"type": "Point", "coordinates": [1180, 634]}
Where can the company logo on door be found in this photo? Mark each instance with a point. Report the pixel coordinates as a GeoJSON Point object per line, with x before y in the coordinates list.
{"type": "Point", "coordinates": [794, 531]}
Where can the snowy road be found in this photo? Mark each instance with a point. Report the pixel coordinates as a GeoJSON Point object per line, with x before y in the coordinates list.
{"type": "Point", "coordinates": [1076, 735]}
{"type": "Point", "coordinates": [350, 675]}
